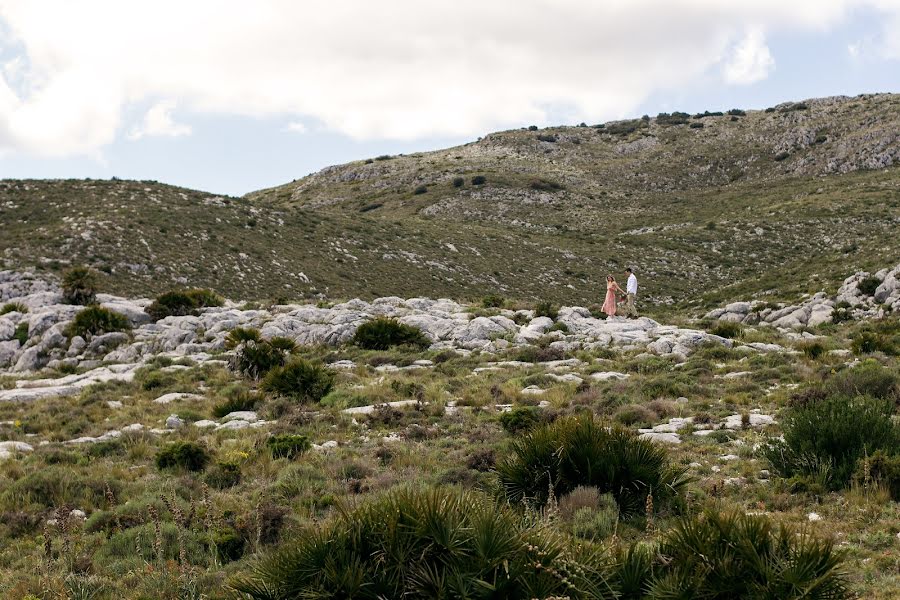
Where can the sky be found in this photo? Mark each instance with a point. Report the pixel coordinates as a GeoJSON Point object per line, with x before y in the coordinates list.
{"type": "Point", "coordinates": [230, 96]}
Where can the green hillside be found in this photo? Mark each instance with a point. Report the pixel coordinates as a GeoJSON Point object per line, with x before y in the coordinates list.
{"type": "Point", "coordinates": [706, 208]}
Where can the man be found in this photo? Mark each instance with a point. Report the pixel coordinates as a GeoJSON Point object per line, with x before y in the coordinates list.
{"type": "Point", "coordinates": [631, 294]}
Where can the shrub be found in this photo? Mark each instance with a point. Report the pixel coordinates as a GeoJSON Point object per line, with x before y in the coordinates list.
{"type": "Point", "coordinates": [182, 455]}
{"type": "Point", "coordinates": [479, 180]}
{"type": "Point", "coordinates": [238, 399]}
{"type": "Point", "coordinates": [79, 286]}
{"type": "Point", "coordinates": [736, 112]}
{"type": "Point", "coordinates": [635, 414]}
{"type": "Point", "coordinates": [95, 320]}
{"type": "Point", "coordinates": [300, 380]}
{"type": "Point", "coordinates": [493, 301]}
{"type": "Point", "coordinates": [287, 445]}
{"type": "Point", "coordinates": [581, 451]}
{"type": "Point", "coordinates": [421, 189]}
{"type": "Point", "coordinates": [482, 460]}
{"type": "Point", "coordinates": [459, 181]}
{"type": "Point", "coordinates": [439, 543]}
{"type": "Point", "coordinates": [239, 335]}
{"type": "Point", "coordinates": [545, 185]}
{"type": "Point", "coordinates": [383, 333]}
{"type": "Point", "coordinates": [825, 439]}
{"type": "Point", "coordinates": [732, 556]}
{"type": "Point", "coordinates": [596, 523]}
{"type": "Point", "coordinates": [883, 469]}
{"type": "Point", "coordinates": [781, 156]}
{"type": "Point", "coordinates": [13, 307]}
{"type": "Point", "coordinates": [21, 333]}
{"type": "Point", "coordinates": [870, 379]}
{"type": "Point", "coordinates": [53, 486]}
{"type": "Point", "coordinates": [676, 118]}
{"type": "Point", "coordinates": [532, 128]}
{"type": "Point", "coordinates": [546, 308]}
{"type": "Point", "coordinates": [727, 329]}
{"type": "Point", "coordinates": [812, 350]}
{"type": "Point", "coordinates": [255, 359]}
{"type": "Point", "coordinates": [868, 285]}
{"type": "Point", "coordinates": [867, 342]}
{"type": "Point", "coordinates": [547, 137]}
{"type": "Point", "coordinates": [696, 125]}
{"type": "Point", "coordinates": [181, 303]}
{"type": "Point", "coordinates": [223, 475]}
{"type": "Point", "coordinates": [229, 544]}
{"type": "Point", "coordinates": [520, 418]}
{"type": "Point", "coordinates": [626, 127]}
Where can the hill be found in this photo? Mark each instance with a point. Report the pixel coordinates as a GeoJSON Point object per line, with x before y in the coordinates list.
{"type": "Point", "coordinates": [707, 208]}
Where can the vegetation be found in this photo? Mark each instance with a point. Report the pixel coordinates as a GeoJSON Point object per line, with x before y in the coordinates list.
{"type": "Point", "coordinates": [571, 452]}
{"type": "Point", "coordinates": [825, 439]}
{"type": "Point", "coordinates": [95, 320]}
{"type": "Point", "coordinates": [299, 380]}
{"type": "Point", "coordinates": [254, 359]}
{"type": "Point", "coordinates": [180, 303]}
{"type": "Point", "coordinates": [79, 286]}
{"type": "Point", "coordinates": [13, 307]}
{"type": "Point", "coordinates": [438, 543]}
{"type": "Point", "coordinates": [182, 455]}
{"type": "Point", "coordinates": [727, 329]}
{"type": "Point", "coordinates": [383, 333]}
{"type": "Point", "coordinates": [287, 445]}
{"type": "Point", "coordinates": [733, 555]}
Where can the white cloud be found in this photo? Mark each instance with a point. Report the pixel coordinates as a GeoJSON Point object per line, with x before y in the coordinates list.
{"type": "Point", "coordinates": [751, 60]}
{"type": "Point", "coordinates": [296, 127]}
{"type": "Point", "coordinates": [158, 122]}
{"type": "Point", "coordinates": [399, 69]}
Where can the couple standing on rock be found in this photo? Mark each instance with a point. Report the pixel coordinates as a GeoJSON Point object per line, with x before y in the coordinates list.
{"type": "Point", "coordinates": [611, 304]}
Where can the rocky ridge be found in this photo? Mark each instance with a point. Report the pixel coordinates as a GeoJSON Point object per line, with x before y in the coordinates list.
{"type": "Point", "coordinates": [849, 302]}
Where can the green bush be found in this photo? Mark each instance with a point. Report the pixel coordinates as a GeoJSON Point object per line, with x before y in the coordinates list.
{"type": "Point", "coordinates": [53, 486]}
{"type": "Point", "coordinates": [13, 307]}
{"type": "Point", "coordinates": [459, 182]}
{"type": "Point", "coordinates": [824, 440]}
{"type": "Point", "coordinates": [732, 556]}
{"type": "Point", "coordinates": [21, 333]}
{"type": "Point", "coordinates": [223, 475]}
{"type": "Point", "coordinates": [581, 451]}
{"type": "Point", "coordinates": [883, 469]}
{"type": "Point", "coordinates": [867, 342]}
{"type": "Point", "coordinates": [239, 335]}
{"type": "Point", "coordinates": [727, 329]}
{"type": "Point", "coordinates": [493, 301]}
{"type": "Point", "coordinates": [440, 543]}
{"type": "Point", "coordinates": [182, 455]}
{"type": "Point", "coordinates": [520, 418]}
{"type": "Point", "coordinates": [596, 522]}
{"type": "Point", "coordinates": [96, 320]}
{"type": "Point", "coordinates": [237, 399]}
{"type": "Point", "coordinates": [812, 350]}
{"type": "Point", "coordinates": [634, 414]}
{"type": "Point", "coordinates": [256, 359]}
{"type": "Point", "coordinates": [479, 180]}
{"type": "Point", "coordinates": [868, 285]}
{"type": "Point", "coordinates": [868, 379]}
{"type": "Point", "coordinates": [287, 445]}
{"type": "Point", "coordinates": [422, 189]}
{"type": "Point", "coordinates": [299, 380]}
{"type": "Point", "coordinates": [229, 544]}
{"type": "Point", "coordinates": [79, 286]}
{"type": "Point", "coordinates": [546, 308]}
{"type": "Point", "coordinates": [545, 185]}
{"type": "Point", "coordinates": [181, 303]}
{"type": "Point", "coordinates": [383, 333]}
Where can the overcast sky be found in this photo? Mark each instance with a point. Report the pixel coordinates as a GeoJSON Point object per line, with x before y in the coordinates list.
{"type": "Point", "coordinates": [230, 95]}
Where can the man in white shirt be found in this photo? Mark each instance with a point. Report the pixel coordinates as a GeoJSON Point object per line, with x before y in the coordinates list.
{"type": "Point", "coordinates": [631, 291]}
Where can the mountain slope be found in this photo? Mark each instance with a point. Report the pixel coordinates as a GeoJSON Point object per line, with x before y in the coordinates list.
{"type": "Point", "coordinates": [790, 199]}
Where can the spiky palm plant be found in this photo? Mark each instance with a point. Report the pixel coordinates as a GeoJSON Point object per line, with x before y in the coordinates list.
{"type": "Point", "coordinates": [382, 333]}
{"type": "Point", "coordinates": [735, 556]}
{"type": "Point", "coordinates": [582, 451]}
{"type": "Point", "coordinates": [79, 285]}
{"type": "Point", "coordinates": [439, 543]}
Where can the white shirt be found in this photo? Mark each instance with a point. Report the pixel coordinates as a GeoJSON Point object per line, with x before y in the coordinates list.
{"type": "Point", "coordinates": [631, 287]}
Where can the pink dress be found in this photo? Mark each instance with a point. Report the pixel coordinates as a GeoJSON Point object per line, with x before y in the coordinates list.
{"type": "Point", "coordinates": [609, 305]}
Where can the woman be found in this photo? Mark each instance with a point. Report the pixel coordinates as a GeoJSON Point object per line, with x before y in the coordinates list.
{"type": "Point", "coordinates": [609, 305]}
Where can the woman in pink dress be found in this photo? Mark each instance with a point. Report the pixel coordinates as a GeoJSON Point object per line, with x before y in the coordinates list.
{"type": "Point", "coordinates": [609, 305]}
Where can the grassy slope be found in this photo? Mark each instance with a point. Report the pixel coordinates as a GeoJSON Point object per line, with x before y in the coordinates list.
{"type": "Point", "coordinates": [705, 214]}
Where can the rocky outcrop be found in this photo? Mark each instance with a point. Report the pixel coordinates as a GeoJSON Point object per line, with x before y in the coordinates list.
{"type": "Point", "coordinates": [850, 302]}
